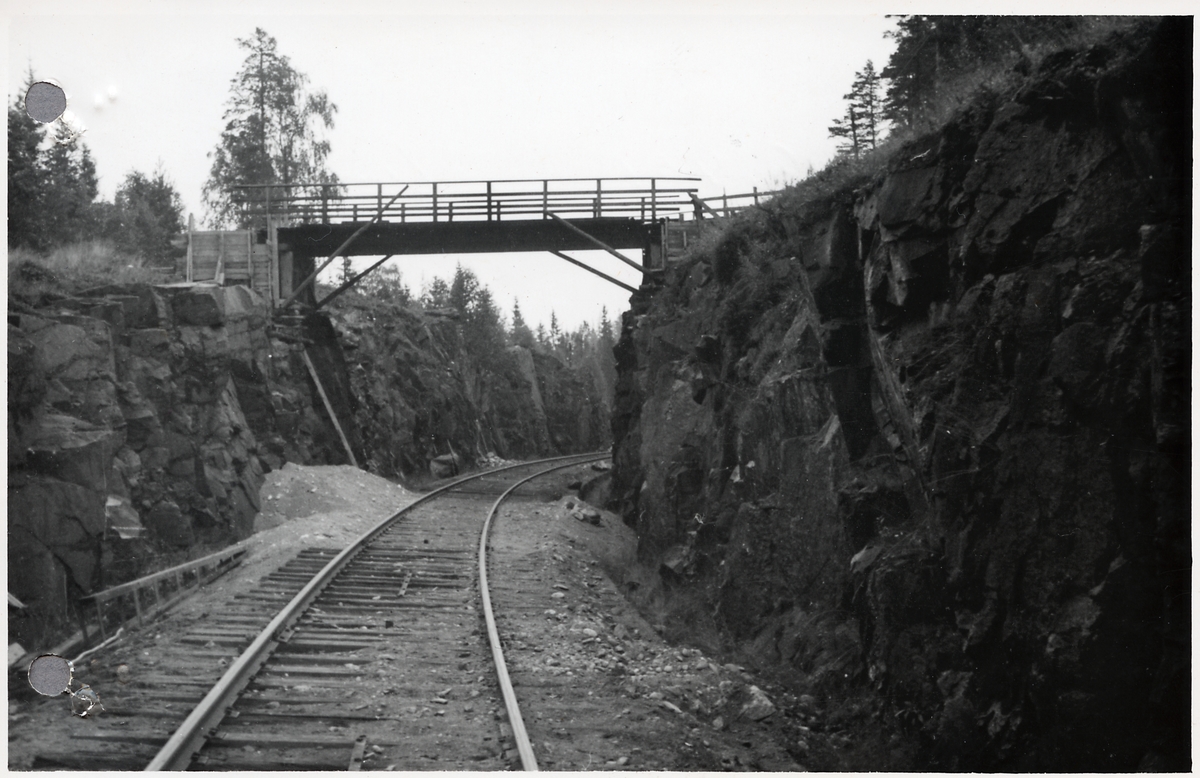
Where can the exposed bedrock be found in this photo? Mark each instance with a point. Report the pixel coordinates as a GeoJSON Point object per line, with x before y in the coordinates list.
{"type": "Point", "coordinates": [930, 434]}
{"type": "Point", "coordinates": [421, 395]}
{"type": "Point", "coordinates": [127, 437]}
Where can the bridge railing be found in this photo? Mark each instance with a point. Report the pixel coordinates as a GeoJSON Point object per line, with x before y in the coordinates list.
{"type": "Point", "coordinates": [726, 205]}
{"type": "Point", "coordinates": [646, 199]}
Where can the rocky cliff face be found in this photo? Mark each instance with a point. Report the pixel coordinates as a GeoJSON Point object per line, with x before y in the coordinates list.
{"type": "Point", "coordinates": [421, 395]}
{"type": "Point", "coordinates": [929, 435]}
{"type": "Point", "coordinates": [143, 418]}
{"type": "Point", "coordinates": [127, 434]}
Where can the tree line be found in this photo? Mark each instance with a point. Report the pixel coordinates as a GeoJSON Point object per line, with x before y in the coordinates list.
{"type": "Point", "coordinates": [52, 189]}
{"type": "Point", "coordinates": [933, 53]}
{"type": "Point", "coordinates": [273, 137]}
{"type": "Point", "coordinates": [486, 330]}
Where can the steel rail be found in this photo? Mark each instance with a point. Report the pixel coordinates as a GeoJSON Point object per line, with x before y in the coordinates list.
{"type": "Point", "coordinates": [524, 747]}
{"type": "Point", "coordinates": [177, 752]}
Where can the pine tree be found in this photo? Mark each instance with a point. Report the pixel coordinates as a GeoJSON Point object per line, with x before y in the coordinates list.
{"type": "Point", "coordinates": [25, 210]}
{"type": "Point", "coordinates": [69, 187]}
{"type": "Point", "coordinates": [273, 135]}
{"type": "Point", "coordinates": [464, 290]}
{"type": "Point", "coordinates": [386, 284]}
{"type": "Point", "coordinates": [149, 213]}
{"type": "Point", "coordinates": [934, 50]}
{"type": "Point", "coordinates": [605, 325]}
{"type": "Point", "coordinates": [521, 334]}
{"type": "Point", "coordinates": [437, 295]}
{"type": "Point", "coordinates": [862, 124]}
{"type": "Point", "coordinates": [847, 127]}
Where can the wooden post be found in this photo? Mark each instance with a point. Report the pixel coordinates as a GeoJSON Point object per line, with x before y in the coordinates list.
{"type": "Point", "coordinates": [100, 620]}
{"type": "Point", "coordinates": [701, 206]}
{"type": "Point", "coordinates": [328, 406]}
{"type": "Point", "coordinates": [435, 201]}
{"type": "Point", "coordinates": [273, 261]}
{"type": "Point", "coordinates": [250, 257]}
{"type": "Point", "coordinates": [451, 218]}
{"type": "Point", "coordinates": [219, 271]}
{"type": "Point", "coordinates": [653, 199]}
{"type": "Point", "coordinates": [599, 197]}
{"type": "Point", "coordinates": [756, 195]}
{"type": "Point", "coordinates": [325, 205]}
{"type": "Point", "coordinates": [725, 204]}
{"type": "Point", "coordinates": [545, 197]}
{"type": "Point", "coordinates": [489, 200]}
{"type": "Point", "coordinates": [379, 197]}
{"type": "Point", "coordinates": [191, 229]}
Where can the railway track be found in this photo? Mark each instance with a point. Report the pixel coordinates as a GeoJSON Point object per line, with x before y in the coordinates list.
{"type": "Point", "coordinates": [373, 657]}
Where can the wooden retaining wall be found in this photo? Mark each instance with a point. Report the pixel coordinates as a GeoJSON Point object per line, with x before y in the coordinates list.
{"type": "Point", "coordinates": [232, 257]}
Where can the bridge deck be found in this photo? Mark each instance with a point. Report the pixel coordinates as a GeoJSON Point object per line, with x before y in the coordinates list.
{"type": "Point", "coordinates": [465, 237]}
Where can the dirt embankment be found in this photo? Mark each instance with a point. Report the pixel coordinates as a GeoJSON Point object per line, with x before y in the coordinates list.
{"type": "Point", "coordinates": [925, 441]}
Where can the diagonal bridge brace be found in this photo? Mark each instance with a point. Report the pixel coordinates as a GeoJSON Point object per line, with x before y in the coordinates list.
{"type": "Point", "coordinates": [596, 242]}
{"type": "Point", "coordinates": [352, 282]}
{"type": "Point", "coordinates": [593, 270]}
{"type": "Point", "coordinates": [313, 276]}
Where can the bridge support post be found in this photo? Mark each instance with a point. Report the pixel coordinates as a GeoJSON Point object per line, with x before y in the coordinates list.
{"type": "Point", "coordinates": [652, 252]}
{"type": "Point", "coordinates": [312, 371]}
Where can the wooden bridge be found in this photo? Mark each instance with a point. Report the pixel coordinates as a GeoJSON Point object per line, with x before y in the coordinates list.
{"type": "Point", "coordinates": [291, 227]}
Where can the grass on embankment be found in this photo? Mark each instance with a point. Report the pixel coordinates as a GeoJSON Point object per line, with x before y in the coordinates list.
{"type": "Point", "coordinates": [36, 279]}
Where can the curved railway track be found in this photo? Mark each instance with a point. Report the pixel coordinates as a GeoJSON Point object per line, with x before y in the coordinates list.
{"type": "Point", "coordinates": [369, 656]}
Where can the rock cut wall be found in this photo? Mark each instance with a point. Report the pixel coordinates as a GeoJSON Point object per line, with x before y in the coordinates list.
{"type": "Point", "coordinates": [142, 419]}
{"type": "Point", "coordinates": [422, 395]}
{"type": "Point", "coordinates": [930, 434]}
{"type": "Point", "coordinates": [127, 435]}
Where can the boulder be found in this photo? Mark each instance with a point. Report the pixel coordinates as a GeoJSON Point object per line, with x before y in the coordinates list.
{"type": "Point", "coordinates": [759, 706]}
{"type": "Point", "coordinates": [444, 466]}
{"type": "Point", "coordinates": [197, 306]}
{"type": "Point", "coordinates": [170, 525]}
{"type": "Point", "coordinates": [587, 515]}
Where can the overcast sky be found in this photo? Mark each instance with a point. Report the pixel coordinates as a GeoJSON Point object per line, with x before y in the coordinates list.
{"type": "Point", "coordinates": [739, 94]}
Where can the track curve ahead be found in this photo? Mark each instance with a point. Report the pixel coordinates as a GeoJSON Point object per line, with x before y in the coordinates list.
{"type": "Point", "coordinates": [374, 660]}
{"type": "Point", "coordinates": [381, 560]}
